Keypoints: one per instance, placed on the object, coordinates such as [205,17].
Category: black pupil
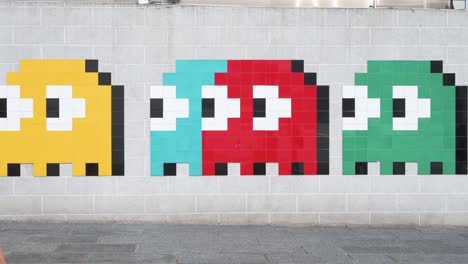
[259,107]
[53,109]
[349,107]
[208,107]
[398,107]
[157,108]
[3,107]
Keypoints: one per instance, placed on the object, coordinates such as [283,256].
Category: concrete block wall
[138,43]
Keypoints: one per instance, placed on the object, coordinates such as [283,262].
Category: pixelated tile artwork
[61,112]
[405,114]
[231,117]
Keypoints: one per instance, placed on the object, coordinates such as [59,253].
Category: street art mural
[231,117]
[61,112]
[402,112]
[211,114]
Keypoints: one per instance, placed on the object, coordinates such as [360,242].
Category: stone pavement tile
[131,258]
[322,233]
[375,246]
[379,249]
[174,246]
[372,232]
[81,257]
[62,239]
[240,246]
[34,248]
[33,226]
[25,258]
[218,258]
[17,234]
[432,233]
[181,235]
[328,252]
[430,258]
[296,258]
[126,239]
[372,259]
[104,229]
[182,230]
[36,258]
[110,248]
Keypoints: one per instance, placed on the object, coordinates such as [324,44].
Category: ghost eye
[357,108]
[268,107]
[217,108]
[62,108]
[166,108]
[408,108]
[13,108]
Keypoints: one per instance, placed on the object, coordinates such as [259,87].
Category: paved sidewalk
[113,243]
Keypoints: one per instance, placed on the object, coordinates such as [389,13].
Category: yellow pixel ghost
[56,112]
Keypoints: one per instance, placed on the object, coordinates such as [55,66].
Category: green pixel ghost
[405,111]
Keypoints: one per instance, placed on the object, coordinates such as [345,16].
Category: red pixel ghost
[284,119]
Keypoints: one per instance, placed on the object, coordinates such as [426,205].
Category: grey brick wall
[137,44]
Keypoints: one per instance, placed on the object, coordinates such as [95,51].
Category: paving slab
[25,243]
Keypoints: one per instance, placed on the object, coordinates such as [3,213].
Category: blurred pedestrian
[2,259]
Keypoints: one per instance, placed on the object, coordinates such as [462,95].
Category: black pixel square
[104,78]
[208,107]
[323,168]
[297,168]
[3,107]
[118,92]
[399,107]
[92,169]
[310,78]
[157,108]
[437,168]
[53,169]
[297,66]
[259,168]
[399,168]
[221,169]
[91,66]
[259,107]
[53,108]
[323,92]
[170,169]
[14,169]
[360,168]
[449,79]
[436,67]
[118,169]
[348,107]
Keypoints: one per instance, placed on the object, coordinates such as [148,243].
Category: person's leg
[2,259]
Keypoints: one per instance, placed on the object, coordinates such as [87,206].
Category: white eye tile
[224,108]
[415,108]
[172,107]
[364,107]
[16,108]
[69,108]
[275,108]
